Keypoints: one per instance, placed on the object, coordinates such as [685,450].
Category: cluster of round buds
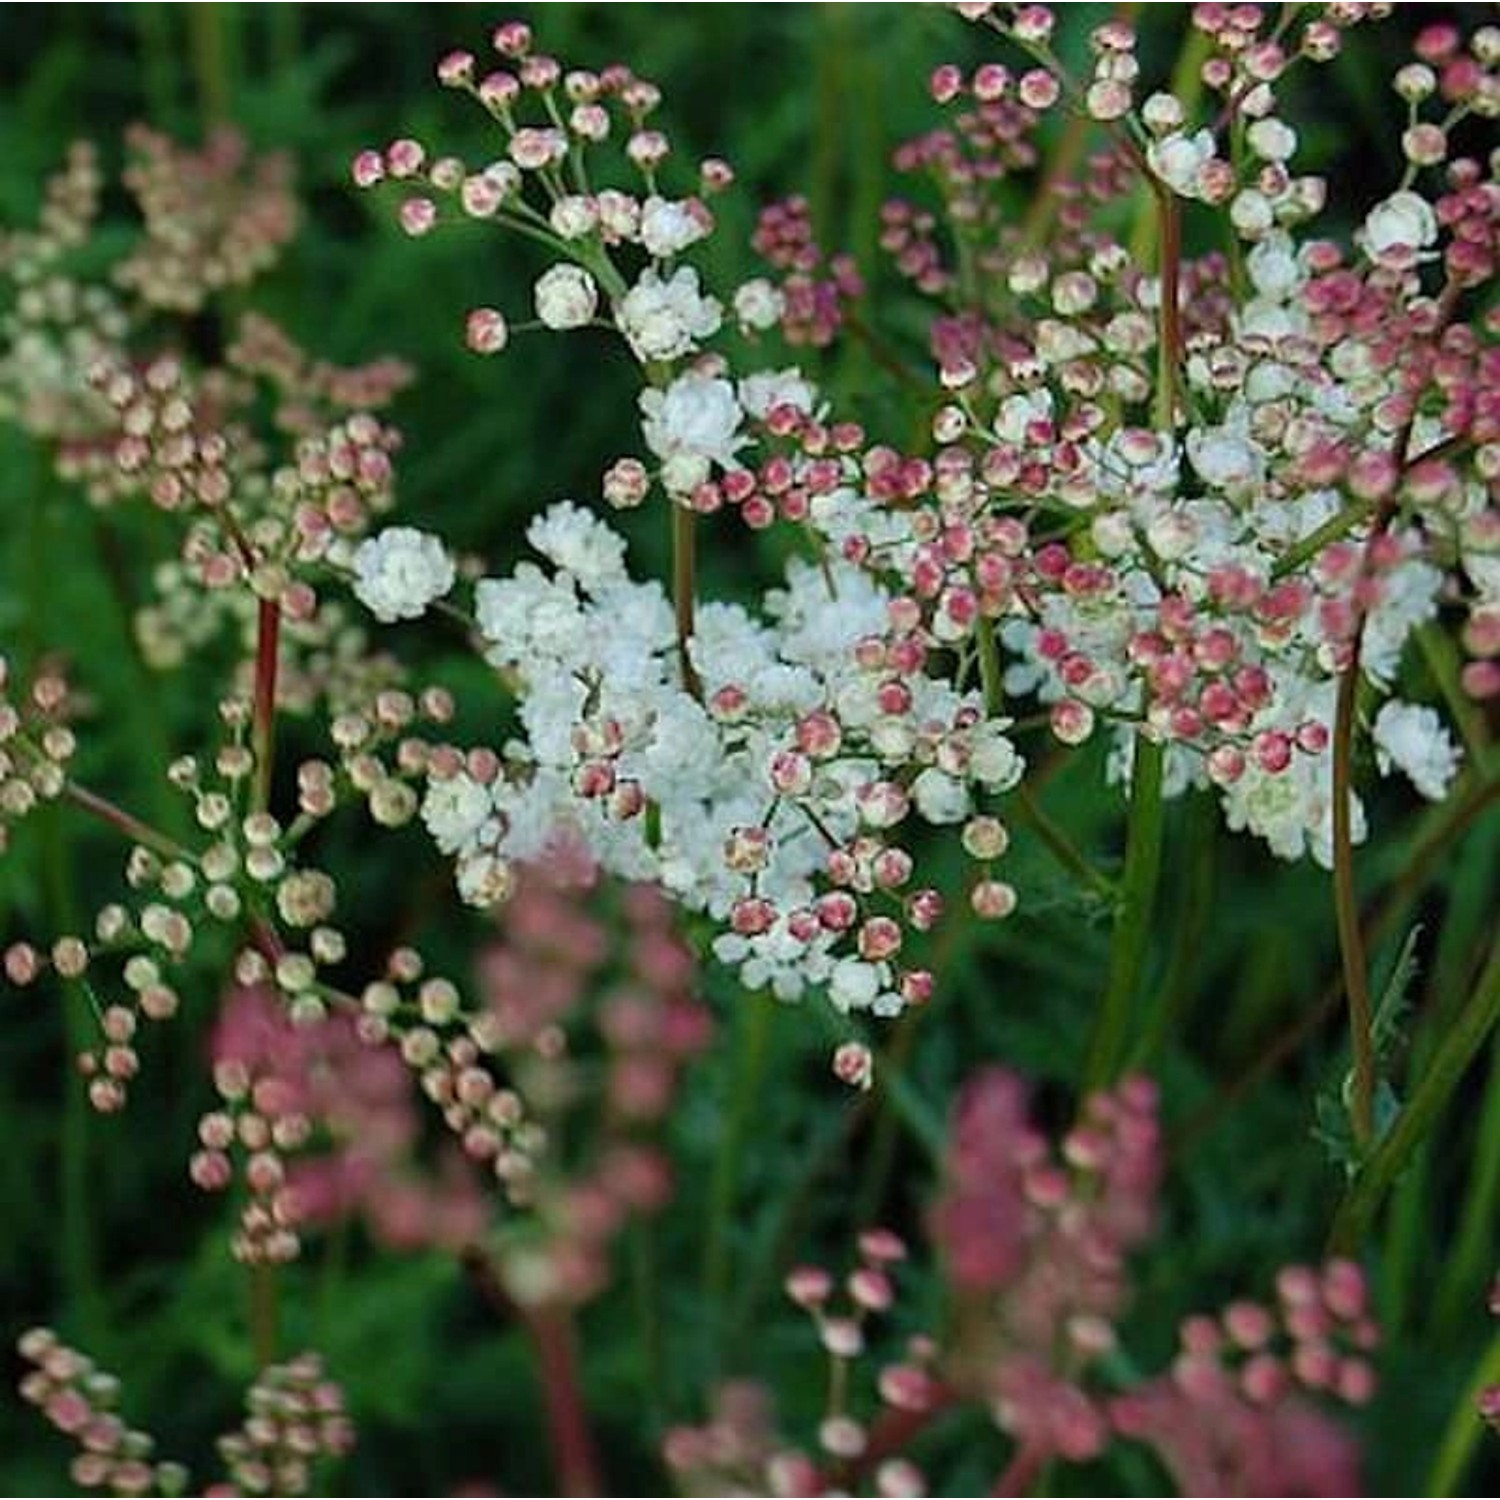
[70,205]
[1250,1377]
[738,1450]
[381,753]
[1318,1337]
[554,118]
[1035,1240]
[614,961]
[308,388]
[815,290]
[294,1418]
[164,443]
[840,1313]
[80,1400]
[260,1075]
[149,939]
[214,217]
[36,744]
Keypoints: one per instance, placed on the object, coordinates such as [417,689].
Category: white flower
[758,305]
[1273,267]
[574,216]
[1251,213]
[1413,739]
[761,393]
[663,320]
[484,880]
[1272,139]
[668,228]
[940,798]
[1177,159]
[1408,597]
[690,426]
[994,761]
[566,297]
[574,539]
[1403,222]
[854,984]
[1225,459]
[455,811]
[400,572]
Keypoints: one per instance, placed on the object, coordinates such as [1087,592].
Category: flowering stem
[1021,1472]
[756,1017]
[1026,804]
[684,570]
[263,1314]
[1059,845]
[553,1337]
[131,826]
[1169,341]
[1464,1427]
[263,720]
[1127,954]
[1418,867]
[1346,906]
[1456,1050]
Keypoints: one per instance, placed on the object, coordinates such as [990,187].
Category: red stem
[263,721]
[128,824]
[1022,1470]
[573,1453]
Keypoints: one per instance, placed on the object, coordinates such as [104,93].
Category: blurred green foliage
[104,1236]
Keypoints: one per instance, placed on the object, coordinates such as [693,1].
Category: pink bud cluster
[36,746]
[739,1449]
[1234,1415]
[294,1417]
[592,1008]
[1034,1242]
[320,1124]
[80,1401]
[817,289]
[307,387]
[214,218]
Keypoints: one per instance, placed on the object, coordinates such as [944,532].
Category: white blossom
[1412,739]
[566,297]
[1404,221]
[667,228]
[664,320]
[401,571]
[758,305]
[690,426]
[1177,159]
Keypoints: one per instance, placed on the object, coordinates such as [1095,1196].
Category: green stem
[1132,933]
[1468,1267]
[207,37]
[264,1314]
[1032,815]
[1028,809]
[1412,1126]
[1346,906]
[1465,1429]
[755,1023]
[644,1280]
[79,1258]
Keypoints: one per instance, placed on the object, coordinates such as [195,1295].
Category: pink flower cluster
[1034,1242]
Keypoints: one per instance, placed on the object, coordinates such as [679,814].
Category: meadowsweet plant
[1180,483]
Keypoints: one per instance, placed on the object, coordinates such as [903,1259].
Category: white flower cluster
[738,803]
[400,572]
